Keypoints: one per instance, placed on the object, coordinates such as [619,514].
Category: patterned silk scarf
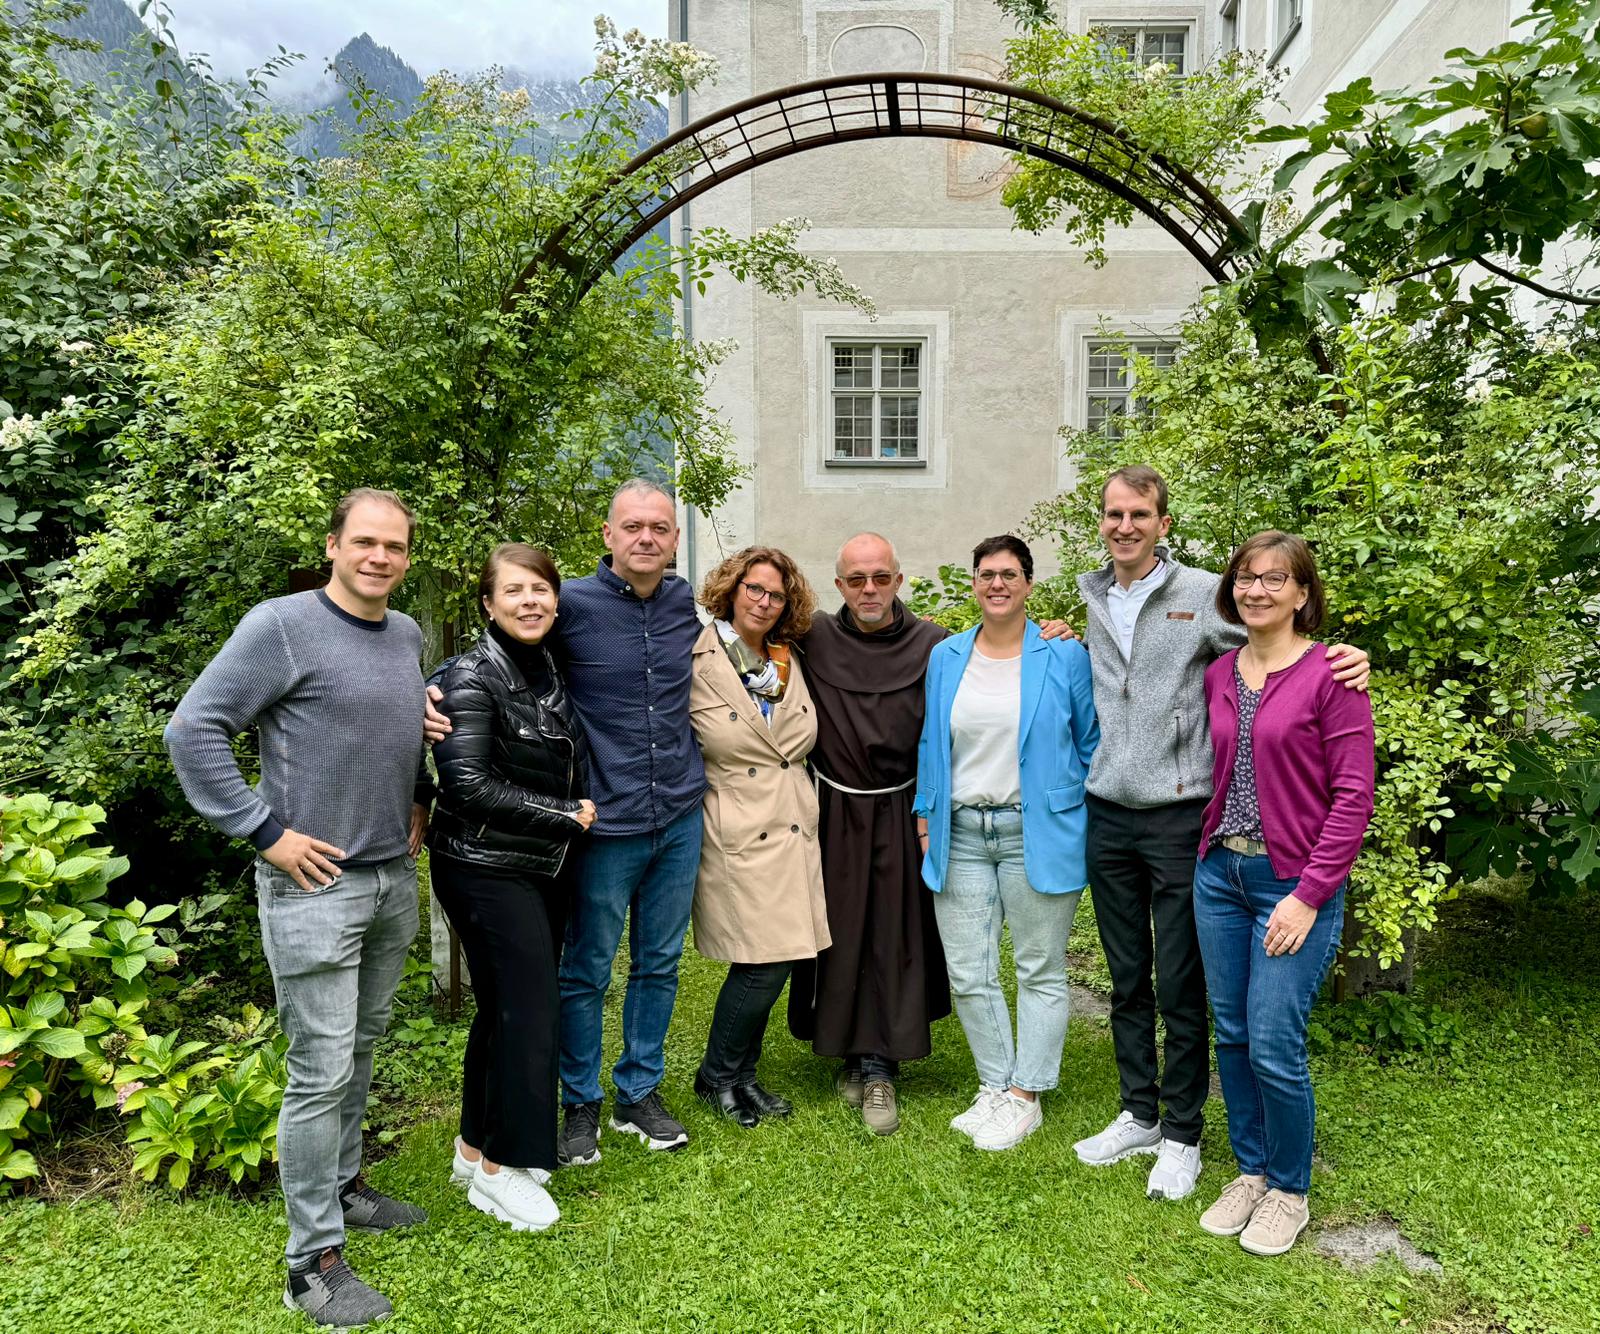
[763,678]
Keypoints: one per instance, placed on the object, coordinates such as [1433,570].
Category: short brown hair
[1302,569]
[800,603]
[350,500]
[1143,479]
[525,557]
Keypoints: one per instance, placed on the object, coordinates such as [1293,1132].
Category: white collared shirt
[1123,604]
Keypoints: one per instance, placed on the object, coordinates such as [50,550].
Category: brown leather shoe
[878,1107]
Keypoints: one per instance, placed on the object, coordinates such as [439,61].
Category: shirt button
[752,773]
[794,829]
[652,745]
[733,716]
[784,764]
[763,833]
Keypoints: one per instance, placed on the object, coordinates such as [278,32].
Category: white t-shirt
[984,720]
[1123,604]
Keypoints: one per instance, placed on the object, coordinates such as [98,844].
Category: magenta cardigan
[1313,747]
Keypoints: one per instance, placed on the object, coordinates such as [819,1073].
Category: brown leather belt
[1245,847]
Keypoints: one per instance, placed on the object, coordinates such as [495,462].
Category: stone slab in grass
[1360,1245]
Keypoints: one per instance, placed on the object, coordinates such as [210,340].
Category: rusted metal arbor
[851,108]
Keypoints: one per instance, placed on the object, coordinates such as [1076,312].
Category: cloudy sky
[543,36]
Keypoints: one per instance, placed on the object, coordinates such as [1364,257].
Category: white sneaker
[462,1168]
[513,1196]
[1123,1138]
[1173,1176]
[982,1106]
[1012,1121]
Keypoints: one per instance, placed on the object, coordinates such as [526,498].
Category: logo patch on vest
[1180,616]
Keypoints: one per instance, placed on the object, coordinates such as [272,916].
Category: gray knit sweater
[1155,737]
[338,703]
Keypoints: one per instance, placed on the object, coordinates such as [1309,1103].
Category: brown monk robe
[882,982]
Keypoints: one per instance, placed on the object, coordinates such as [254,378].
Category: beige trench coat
[759,895]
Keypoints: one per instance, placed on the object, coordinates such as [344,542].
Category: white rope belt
[863,791]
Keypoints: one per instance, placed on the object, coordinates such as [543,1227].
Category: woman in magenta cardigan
[1292,783]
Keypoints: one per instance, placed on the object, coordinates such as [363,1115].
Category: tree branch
[1537,287]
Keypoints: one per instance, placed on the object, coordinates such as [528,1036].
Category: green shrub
[79,977]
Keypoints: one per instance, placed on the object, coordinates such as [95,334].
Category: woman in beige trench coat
[758,901]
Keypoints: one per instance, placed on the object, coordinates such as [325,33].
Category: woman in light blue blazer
[1006,741]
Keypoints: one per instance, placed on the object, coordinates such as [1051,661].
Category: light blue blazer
[1056,738]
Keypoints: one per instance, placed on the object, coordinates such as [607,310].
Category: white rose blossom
[1479,390]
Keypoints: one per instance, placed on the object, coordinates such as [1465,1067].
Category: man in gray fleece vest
[1153,629]
[333,682]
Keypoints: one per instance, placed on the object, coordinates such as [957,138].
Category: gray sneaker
[1123,1138]
[878,1108]
[369,1210]
[850,1085]
[330,1294]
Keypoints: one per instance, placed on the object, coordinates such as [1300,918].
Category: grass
[1485,1159]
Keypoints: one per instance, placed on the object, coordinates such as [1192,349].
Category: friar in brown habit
[871,996]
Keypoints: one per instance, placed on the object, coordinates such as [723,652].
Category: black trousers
[739,1022]
[510,924]
[1141,874]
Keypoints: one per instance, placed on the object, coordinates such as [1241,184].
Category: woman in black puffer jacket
[511,783]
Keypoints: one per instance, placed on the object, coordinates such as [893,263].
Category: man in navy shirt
[624,636]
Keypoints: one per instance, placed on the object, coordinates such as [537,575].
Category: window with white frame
[1229,14]
[876,392]
[1147,44]
[1287,16]
[1111,389]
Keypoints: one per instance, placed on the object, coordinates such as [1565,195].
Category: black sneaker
[651,1122]
[368,1210]
[329,1292]
[578,1144]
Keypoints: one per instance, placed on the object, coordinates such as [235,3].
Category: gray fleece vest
[1155,739]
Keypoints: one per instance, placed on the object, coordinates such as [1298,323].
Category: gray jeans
[337,955]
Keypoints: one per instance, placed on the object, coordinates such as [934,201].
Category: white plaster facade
[1003,321]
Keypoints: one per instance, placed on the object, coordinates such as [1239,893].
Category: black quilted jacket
[511,773]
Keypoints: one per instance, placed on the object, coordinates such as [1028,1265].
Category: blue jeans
[985,886]
[649,879]
[337,954]
[1261,1005]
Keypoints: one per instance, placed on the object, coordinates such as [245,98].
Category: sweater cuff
[267,833]
[1314,896]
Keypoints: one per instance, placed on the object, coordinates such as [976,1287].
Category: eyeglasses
[1138,518]
[987,577]
[1272,580]
[756,593]
[878,579]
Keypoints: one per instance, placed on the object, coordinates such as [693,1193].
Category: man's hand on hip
[435,726]
[305,859]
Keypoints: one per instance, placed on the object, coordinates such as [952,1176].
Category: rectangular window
[1145,45]
[1111,387]
[1286,19]
[876,392]
[1229,14]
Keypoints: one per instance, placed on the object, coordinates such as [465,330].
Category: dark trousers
[874,1067]
[1141,874]
[739,1022]
[510,924]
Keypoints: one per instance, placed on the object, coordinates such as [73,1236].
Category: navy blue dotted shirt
[627,664]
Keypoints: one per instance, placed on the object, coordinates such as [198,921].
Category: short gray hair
[639,486]
[838,560]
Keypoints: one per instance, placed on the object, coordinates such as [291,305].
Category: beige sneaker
[878,1107]
[1277,1223]
[1234,1207]
[850,1086]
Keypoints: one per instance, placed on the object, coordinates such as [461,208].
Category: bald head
[867,575]
[869,547]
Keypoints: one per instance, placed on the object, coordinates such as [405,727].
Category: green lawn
[1487,1161]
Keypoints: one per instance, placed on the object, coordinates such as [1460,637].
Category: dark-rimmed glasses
[756,593]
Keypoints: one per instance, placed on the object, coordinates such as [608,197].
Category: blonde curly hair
[722,585]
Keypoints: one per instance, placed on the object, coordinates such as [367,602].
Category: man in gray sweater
[1153,629]
[333,683]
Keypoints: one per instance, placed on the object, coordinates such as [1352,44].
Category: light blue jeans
[337,954]
[986,887]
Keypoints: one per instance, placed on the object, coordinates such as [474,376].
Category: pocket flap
[1065,798]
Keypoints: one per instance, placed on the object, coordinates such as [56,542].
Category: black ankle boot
[726,1101]
[762,1102]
